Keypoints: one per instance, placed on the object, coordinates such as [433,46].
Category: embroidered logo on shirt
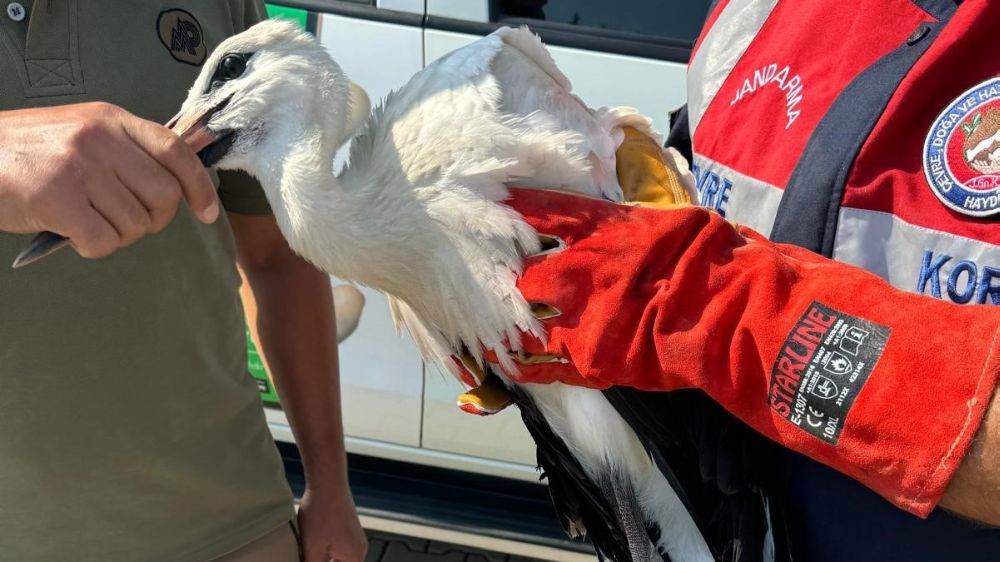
[825,361]
[962,152]
[182,35]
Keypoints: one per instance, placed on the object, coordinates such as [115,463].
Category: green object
[267,392]
[129,427]
[296,14]
[259,373]
[971,127]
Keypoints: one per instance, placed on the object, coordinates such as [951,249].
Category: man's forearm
[290,312]
[974,491]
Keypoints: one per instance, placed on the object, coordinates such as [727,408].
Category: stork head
[266,90]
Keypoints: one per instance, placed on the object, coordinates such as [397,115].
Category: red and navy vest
[868,131]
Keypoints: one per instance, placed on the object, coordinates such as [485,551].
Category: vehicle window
[672,19]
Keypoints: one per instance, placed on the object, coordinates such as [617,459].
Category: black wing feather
[575,496]
[720,468]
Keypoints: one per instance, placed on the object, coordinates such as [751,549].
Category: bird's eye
[232,67]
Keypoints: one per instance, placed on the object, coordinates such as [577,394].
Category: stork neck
[348,225]
[299,160]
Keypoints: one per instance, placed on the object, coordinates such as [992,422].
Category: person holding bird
[132,428]
[865,133]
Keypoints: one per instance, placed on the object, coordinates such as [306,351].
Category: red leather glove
[824,358]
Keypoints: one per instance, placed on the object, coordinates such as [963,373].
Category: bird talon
[542,311]
[474,369]
[536,359]
[489,398]
[550,244]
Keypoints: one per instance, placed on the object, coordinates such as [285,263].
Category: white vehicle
[418,464]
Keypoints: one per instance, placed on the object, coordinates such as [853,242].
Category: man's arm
[974,491]
[290,312]
[821,357]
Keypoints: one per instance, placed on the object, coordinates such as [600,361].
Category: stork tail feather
[626,506]
[719,466]
[579,502]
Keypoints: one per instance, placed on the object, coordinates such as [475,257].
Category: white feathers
[495,113]
[418,211]
[680,537]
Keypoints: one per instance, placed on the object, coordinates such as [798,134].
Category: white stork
[418,213]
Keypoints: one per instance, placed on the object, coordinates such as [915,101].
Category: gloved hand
[824,358]
[650,176]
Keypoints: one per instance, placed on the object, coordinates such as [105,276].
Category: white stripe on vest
[735,196]
[919,259]
[720,50]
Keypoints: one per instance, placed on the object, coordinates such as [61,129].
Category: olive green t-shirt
[130,428]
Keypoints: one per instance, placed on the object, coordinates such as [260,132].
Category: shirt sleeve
[239,192]
[254,13]
[247,13]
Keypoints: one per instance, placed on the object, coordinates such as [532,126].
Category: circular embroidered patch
[182,35]
[962,152]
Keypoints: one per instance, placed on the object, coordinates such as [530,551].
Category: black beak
[42,245]
[193,129]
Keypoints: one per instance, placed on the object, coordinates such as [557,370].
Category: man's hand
[329,526]
[96,174]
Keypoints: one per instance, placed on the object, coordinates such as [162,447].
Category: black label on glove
[820,370]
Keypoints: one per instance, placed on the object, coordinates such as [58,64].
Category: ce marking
[819,417]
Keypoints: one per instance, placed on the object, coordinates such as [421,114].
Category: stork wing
[719,465]
[533,87]
[501,106]
[430,343]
